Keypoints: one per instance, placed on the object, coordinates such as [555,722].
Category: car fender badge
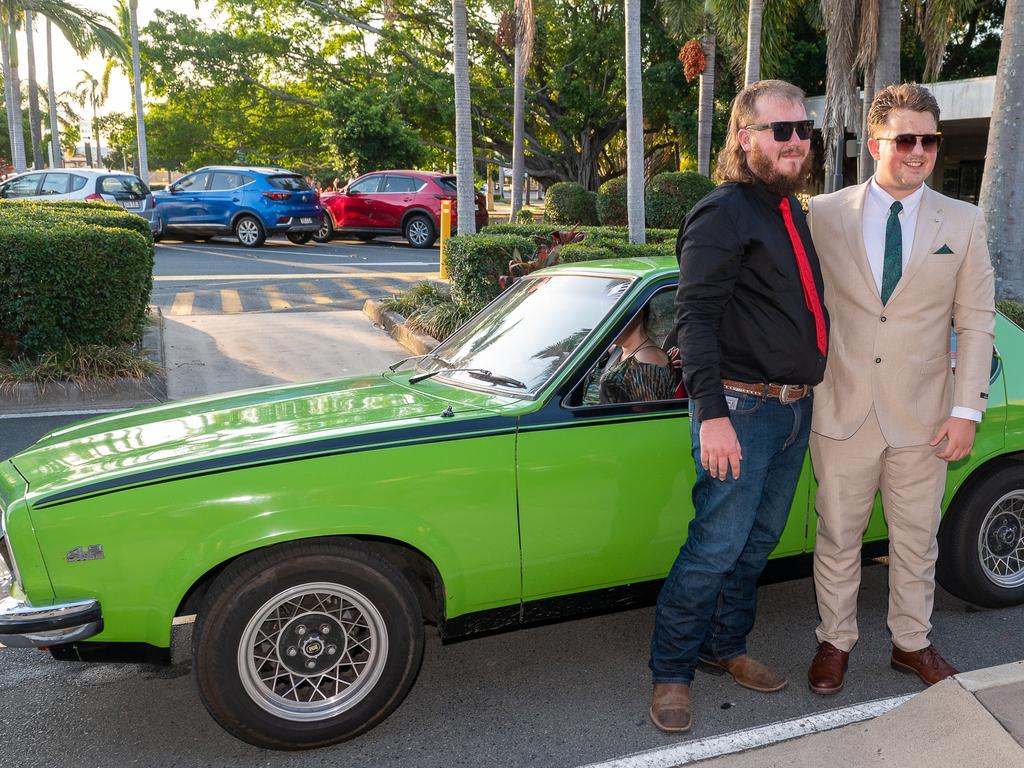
[81,554]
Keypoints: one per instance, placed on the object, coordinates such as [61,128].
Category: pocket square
[944,249]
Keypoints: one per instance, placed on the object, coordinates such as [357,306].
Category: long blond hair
[732,160]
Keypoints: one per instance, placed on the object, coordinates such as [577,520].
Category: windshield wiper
[395,366]
[476,373]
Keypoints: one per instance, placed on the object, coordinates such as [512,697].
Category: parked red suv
[406,203]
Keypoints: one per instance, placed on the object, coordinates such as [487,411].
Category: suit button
[878,359]
[883,318]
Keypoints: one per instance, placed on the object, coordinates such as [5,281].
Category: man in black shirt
[753,337]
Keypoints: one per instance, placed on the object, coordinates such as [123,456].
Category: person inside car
[636,370]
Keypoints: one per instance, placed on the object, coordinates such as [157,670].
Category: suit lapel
[853,229]
[928,222]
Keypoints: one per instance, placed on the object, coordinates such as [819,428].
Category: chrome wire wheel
[248,231]
[312,652]
[418,232]
[1001,541]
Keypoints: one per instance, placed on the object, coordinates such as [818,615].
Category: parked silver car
[96,184]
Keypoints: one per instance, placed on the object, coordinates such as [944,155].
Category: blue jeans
[707,604]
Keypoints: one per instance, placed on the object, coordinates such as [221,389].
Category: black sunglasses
[906,142]
[783,129]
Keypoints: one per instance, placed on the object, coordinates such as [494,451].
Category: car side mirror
[352,192]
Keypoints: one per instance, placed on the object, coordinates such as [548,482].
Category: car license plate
[306,221]
[132,204]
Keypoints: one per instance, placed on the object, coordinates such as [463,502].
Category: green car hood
[240,428]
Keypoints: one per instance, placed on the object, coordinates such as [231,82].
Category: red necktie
[806,278]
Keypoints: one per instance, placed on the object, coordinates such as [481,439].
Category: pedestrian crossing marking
[357,293]
[230,301]
[183,303]
[316,296]
[277,301]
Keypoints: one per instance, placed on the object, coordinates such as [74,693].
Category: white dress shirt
[877,203]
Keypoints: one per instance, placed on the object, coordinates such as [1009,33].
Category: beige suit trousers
[911,480]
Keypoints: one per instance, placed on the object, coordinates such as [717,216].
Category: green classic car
[314,530]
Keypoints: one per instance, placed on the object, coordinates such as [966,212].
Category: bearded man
[753,337]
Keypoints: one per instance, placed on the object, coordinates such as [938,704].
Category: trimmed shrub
[569,203]
[475,262]
[670,196]
[524,216]
[72,275]
[545,229]
[1013,310]
[585,251]
[611,203]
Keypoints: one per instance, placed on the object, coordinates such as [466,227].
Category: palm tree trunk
[463,122]
[58,155]
[634,126]
[5,62]
[518,119]
[866,163]
[140,117]
[35,118]
[887,66]
[96,130]
[754,41]
[706,109]
[1002,187]
[10,54]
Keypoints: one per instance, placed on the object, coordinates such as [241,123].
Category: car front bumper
[23,625]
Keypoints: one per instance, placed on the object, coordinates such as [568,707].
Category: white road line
[753,738]
[83,412]
[426,275]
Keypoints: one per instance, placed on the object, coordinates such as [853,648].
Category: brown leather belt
[786,393]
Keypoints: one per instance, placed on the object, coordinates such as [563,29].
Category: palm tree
[634,126]
[90,90]
[525,29]
[55,150]
[753,68]
[463,122]
[1003,177]
[840,85]
[10,17]
[683,18]
[140,118]
[128,62]
[35,118]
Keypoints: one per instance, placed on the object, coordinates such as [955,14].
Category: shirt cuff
[966,413]
[710,407]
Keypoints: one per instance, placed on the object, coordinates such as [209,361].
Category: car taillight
[152,200]
[277,195]
[453,198]
[95,197]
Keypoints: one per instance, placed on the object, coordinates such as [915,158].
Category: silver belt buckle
[784,396]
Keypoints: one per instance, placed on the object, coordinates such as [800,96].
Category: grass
[428,308]
[85,366]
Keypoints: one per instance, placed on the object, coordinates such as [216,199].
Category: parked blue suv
[249,203]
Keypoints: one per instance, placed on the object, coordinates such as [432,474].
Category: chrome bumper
[25,626]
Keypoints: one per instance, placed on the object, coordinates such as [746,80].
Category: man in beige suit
[902,264]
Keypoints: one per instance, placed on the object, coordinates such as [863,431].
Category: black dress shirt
[740,307]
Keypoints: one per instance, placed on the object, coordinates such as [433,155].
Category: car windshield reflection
[528,333]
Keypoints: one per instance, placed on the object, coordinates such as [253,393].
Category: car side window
[194,183]
[77,182]
[54,184]
[226,180]
[366,186]
[401,184]
[23,186]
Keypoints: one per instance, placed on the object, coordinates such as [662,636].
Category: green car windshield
[526,335]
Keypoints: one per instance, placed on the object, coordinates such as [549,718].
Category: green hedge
[570,203]
[670,196]
[1013,310]
[72,274]
[476,261]
[611,202]
[545,229]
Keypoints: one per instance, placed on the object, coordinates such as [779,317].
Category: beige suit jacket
[896,357]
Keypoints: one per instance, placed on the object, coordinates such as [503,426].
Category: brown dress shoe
[670,707]
[750,673]
[926,664]
[828,669]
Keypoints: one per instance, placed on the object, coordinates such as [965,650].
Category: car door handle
[236,199]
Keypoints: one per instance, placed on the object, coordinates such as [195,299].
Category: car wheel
[299,238]
[981,541]
[307,644]
[419,231]
[326,232]
[250,232]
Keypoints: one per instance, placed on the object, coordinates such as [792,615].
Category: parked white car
[95,184]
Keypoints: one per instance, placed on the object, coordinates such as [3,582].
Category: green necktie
[892,266]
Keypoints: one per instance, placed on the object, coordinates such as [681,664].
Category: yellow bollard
[446,232]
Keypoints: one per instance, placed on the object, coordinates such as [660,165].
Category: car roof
[250,168]
[656,266]
[410,172]
[81,171]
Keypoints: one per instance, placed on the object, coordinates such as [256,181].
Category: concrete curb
[29,400]
[392,322]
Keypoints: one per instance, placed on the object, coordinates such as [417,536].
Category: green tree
[367,132]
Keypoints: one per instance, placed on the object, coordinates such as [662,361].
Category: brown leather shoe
[828,669]
[926,664]
[750,673]
[670,707]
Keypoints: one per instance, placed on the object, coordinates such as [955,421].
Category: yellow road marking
[318,298]
[275,298]
[357,293]
[183,303]
[230,301]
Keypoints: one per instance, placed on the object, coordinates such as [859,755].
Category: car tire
[326,232]
[981,540]
[299,238]
[161,231]
[242,641]
[419,231]
[250,232]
